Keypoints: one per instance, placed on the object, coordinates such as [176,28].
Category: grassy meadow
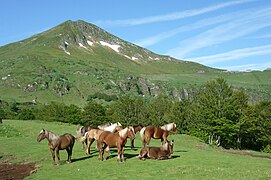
[192,159]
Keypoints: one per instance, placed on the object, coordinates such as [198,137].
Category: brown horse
[56,143]
[162,152]
[90,137]
[136,129]
[154,132]
[83,129]
[117,139]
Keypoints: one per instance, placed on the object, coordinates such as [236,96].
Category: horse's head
[174,127]
[118,128]
[168,146]
[42,135]
[131,132]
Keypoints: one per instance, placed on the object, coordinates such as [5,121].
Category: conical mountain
[76,59]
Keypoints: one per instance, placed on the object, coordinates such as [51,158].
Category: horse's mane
[52,136]
[124,131]
[168,126]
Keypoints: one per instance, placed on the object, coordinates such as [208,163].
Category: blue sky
[233,35]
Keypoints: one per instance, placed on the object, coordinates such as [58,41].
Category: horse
[83,129]
[56,143]
[136,129]
[90,137]
[112,127]
[117,139]
[154,132]
[160,153]
[169,127]
[93,134]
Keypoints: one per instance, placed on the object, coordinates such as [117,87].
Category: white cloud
[233,55]
[243,67]
[171,16]
[199,24]
[231,30]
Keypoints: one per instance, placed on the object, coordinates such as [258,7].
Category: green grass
[192,158]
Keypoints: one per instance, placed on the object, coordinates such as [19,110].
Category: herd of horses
[112,136]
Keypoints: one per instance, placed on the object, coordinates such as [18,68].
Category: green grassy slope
[42,61]
[192,158]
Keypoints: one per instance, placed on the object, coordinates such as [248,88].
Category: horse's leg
[148,139]
[99,146]
[122,153]
[119,154]
[132,143]
[69,152]
[90,141]
[164,138]
[104,152]
[57,155]
[143,153]
[53,155]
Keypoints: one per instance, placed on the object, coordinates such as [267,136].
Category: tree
[180,113]
[94,114]
[219,109]
[128,110]
[256,126]
[158,110]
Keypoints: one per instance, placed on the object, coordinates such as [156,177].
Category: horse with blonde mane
[56,143]
[118,139]
[83,129]
[94,134]
[154,132]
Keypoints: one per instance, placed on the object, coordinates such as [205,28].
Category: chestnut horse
[117,139]
[56,143]
[83,129]
[136,129]
[162,152]
[154,132]
[90,137]
[93,134]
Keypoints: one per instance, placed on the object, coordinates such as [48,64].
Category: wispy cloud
[231,30]
[149,41]
[171,16]
[233,55]
[259,66]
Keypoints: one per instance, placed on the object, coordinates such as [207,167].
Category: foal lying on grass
[160,153]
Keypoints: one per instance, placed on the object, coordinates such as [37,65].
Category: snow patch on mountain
[112,46]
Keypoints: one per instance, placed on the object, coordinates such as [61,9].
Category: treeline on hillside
[218,114]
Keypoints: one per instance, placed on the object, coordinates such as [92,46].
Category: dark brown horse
[162,152]
[136,129]
[154,132]
[118,139]
[56,143]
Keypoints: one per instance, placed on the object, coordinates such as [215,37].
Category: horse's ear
[42,130]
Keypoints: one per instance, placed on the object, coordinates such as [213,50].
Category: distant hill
[75,60]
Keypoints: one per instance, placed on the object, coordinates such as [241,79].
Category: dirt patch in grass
[246,153]
[16,171]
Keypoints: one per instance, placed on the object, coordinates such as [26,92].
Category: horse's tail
[142,134]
